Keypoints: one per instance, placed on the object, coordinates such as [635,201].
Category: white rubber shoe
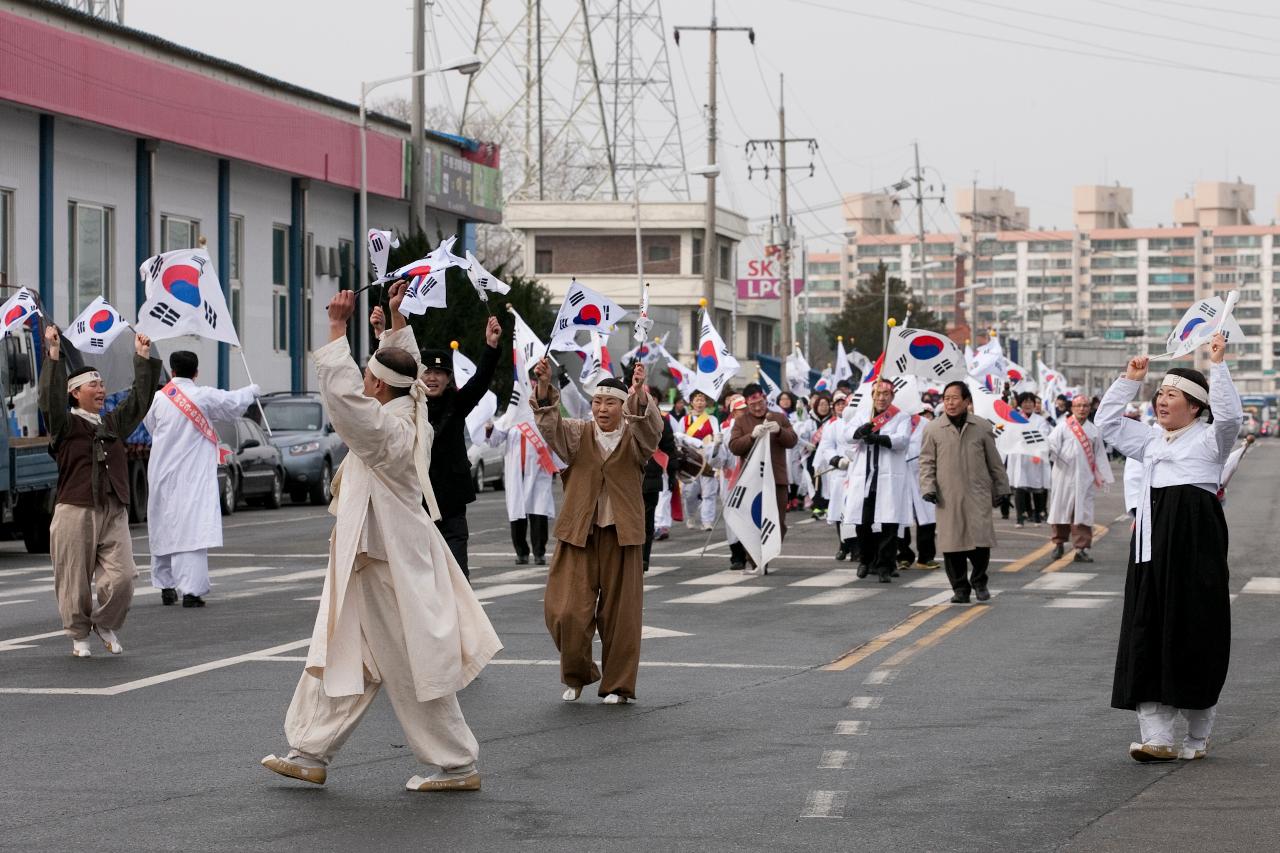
[571,694]
[615,699]
[110,640]
[80,648]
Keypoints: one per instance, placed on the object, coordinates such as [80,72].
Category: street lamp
[466,65]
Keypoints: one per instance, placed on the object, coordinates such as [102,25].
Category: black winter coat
[450,467]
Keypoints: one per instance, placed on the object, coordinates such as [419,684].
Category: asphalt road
[805,710]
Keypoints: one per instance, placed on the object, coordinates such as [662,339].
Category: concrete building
[1099,282]
[116,145]
[595,243]
[824,290]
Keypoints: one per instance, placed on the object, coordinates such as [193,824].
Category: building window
[177,232]
[6,237]
[280,287]
[759,338]
[90,240]
[726,261]
[235,264]
[658,252]
[542,264]
[696,256]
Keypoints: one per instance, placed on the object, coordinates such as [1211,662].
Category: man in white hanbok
[1080,468]
[184,516]
[876,499]
[830,465]
[1028,473]
[396,610]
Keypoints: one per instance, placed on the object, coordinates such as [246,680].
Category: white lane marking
[719,595]
[825,804]
[551,662]
[20,642]
[719,578]
[1263,586]
[513,575]
[1078,603]
[309,598]
[933,580]
[252,593]
[254,556]
[943,598]
[880,676]
[654,571]
[26,590]
[305,575]
[833,578]
[805,521]
[17,601]
[865,703]
[851,727]
[239,570]
[839,596]
[499,590]
[648,632]
[1095,593]
[8,573]
[837,759]
[1060,581]
[650,587]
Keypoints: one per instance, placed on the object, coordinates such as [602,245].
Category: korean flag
[96,327]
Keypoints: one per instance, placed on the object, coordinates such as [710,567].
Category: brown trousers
[1080,535]
[88,545]
[599,586]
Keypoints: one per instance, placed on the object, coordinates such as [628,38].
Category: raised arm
[219,405]
[53,398]
[469,395]
[561,433]
[1224,402]
[1124,434]
[641,415]
[146,376]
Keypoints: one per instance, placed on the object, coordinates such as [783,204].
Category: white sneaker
[110,640]
[460,779]
[80,648]
[571,694]
[708,526]
[615,699]
[691,524]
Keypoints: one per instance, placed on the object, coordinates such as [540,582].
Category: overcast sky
[1032,95]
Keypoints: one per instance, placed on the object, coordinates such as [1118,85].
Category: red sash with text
[531,435]
[174,395]
[884,417]
[1087,445]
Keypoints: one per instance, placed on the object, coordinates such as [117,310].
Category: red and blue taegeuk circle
[182,282]
[708,358]
[1010,414]
[102,321]
[1191,327]
[588,315]
[757,510]
[15,314]
[1015,376]
[925,347]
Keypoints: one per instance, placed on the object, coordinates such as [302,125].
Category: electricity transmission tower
[108,10]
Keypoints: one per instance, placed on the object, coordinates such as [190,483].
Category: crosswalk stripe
[1078,603]
[503,589]
[1263,586]
[825,804]
[835,577]
[308,574]
[943,597]
[719,595]
[719,578]
[836,759]
[1060,581]
[933,580]
[513,575]
[838,596]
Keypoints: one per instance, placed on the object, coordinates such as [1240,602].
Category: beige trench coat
[962,467]
[448,635]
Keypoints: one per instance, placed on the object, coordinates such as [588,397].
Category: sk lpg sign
[762,280]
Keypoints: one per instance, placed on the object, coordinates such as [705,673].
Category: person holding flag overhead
[184,518]
[758,421]
[1080,468]
[596,580]
[89,540]
[1175,631]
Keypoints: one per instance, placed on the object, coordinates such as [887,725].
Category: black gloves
[996,500]
[862,432]
[835,461]
[931,498]
[875,438]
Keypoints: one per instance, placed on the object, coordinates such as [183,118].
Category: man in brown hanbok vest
[596,576]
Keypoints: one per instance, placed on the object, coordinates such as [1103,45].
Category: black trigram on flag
[1207,309]
[901,363]
[154,270]
[576,298]
[81,327]
[483,281]
[767,528]
[1032,436]
[941,367]
[97,343]
[162,312]
[735,499]
[718,381]
[376,242]
[904,332]
[210,316]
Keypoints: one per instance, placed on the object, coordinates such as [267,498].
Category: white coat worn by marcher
[184,516]
[1074,484]
[396,609]
[528,486]
[925,512]
[1025,470]
[893,500]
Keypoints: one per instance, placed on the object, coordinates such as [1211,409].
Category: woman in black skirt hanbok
[1175,637]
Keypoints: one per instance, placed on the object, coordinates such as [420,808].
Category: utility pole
[417,109]
[710,248]
[784,223]
[920,199]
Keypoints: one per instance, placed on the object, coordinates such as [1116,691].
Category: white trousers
[701,492]
[317,725]
[662,512]
[185,571]
[1156,723]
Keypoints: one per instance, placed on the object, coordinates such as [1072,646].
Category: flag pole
[249,376]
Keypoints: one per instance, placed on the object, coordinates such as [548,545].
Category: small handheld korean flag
[772,391]
[526,349]
[798,373]
[681,376]
[583,308]
[482,280]
[184,297]
[1200,323]
[645,323]
[922,353]
[96,327]
[426,286]
[380,245]
[751,510]
[17,309]
[463,367]
[859,361]
[716,365]
[843,370]
[1014,432]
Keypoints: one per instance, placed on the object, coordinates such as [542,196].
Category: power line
[1190,21]
[1223,11]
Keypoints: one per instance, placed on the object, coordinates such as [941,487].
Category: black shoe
[842,553]
[960,598]
[189,600]
[737,567]
[541,560]
[522,559]
[982,594]
[1058,550]
[646,567]
[168,596]
[895,573]
[863,570]
[886,578]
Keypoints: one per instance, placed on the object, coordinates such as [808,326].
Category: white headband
[1186,386]
[389,376]
[609,391]
[83,379]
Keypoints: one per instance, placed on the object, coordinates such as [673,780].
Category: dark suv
[312,451]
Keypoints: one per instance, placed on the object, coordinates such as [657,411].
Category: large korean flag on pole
[715,364]
[184,297]
[1200,323]
[1014,432]
[751,511]
[583,308]
[926,354]
[96,327]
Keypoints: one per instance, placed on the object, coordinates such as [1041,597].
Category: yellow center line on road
[1099,530]
[1022,562]
[878,642]
[932,638]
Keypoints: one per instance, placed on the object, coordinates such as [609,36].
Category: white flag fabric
[583,308]
[595,362]
[526,349]
[1050,381]
[18,308]
[992,346]
[380,245]
[646,353]
[798,373]
[682,377]
[463,367]
[96,327]
[641,332]
[1014,433]
[426,288]
[715,364]
[771,389]
[843,370]
[1200,322]
[751,510]
[1018,376]
[184,297]
[484,281]
[859,361]
[907,396]
[481,415]
[927,354]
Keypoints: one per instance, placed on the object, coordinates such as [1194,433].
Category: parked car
[298,424]
[486,464]
[253,469]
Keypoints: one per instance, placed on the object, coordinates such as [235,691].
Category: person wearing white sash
[395,611]
[1080,468]
[1028,473]
[1175,633]
[184,517]
[528,478]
